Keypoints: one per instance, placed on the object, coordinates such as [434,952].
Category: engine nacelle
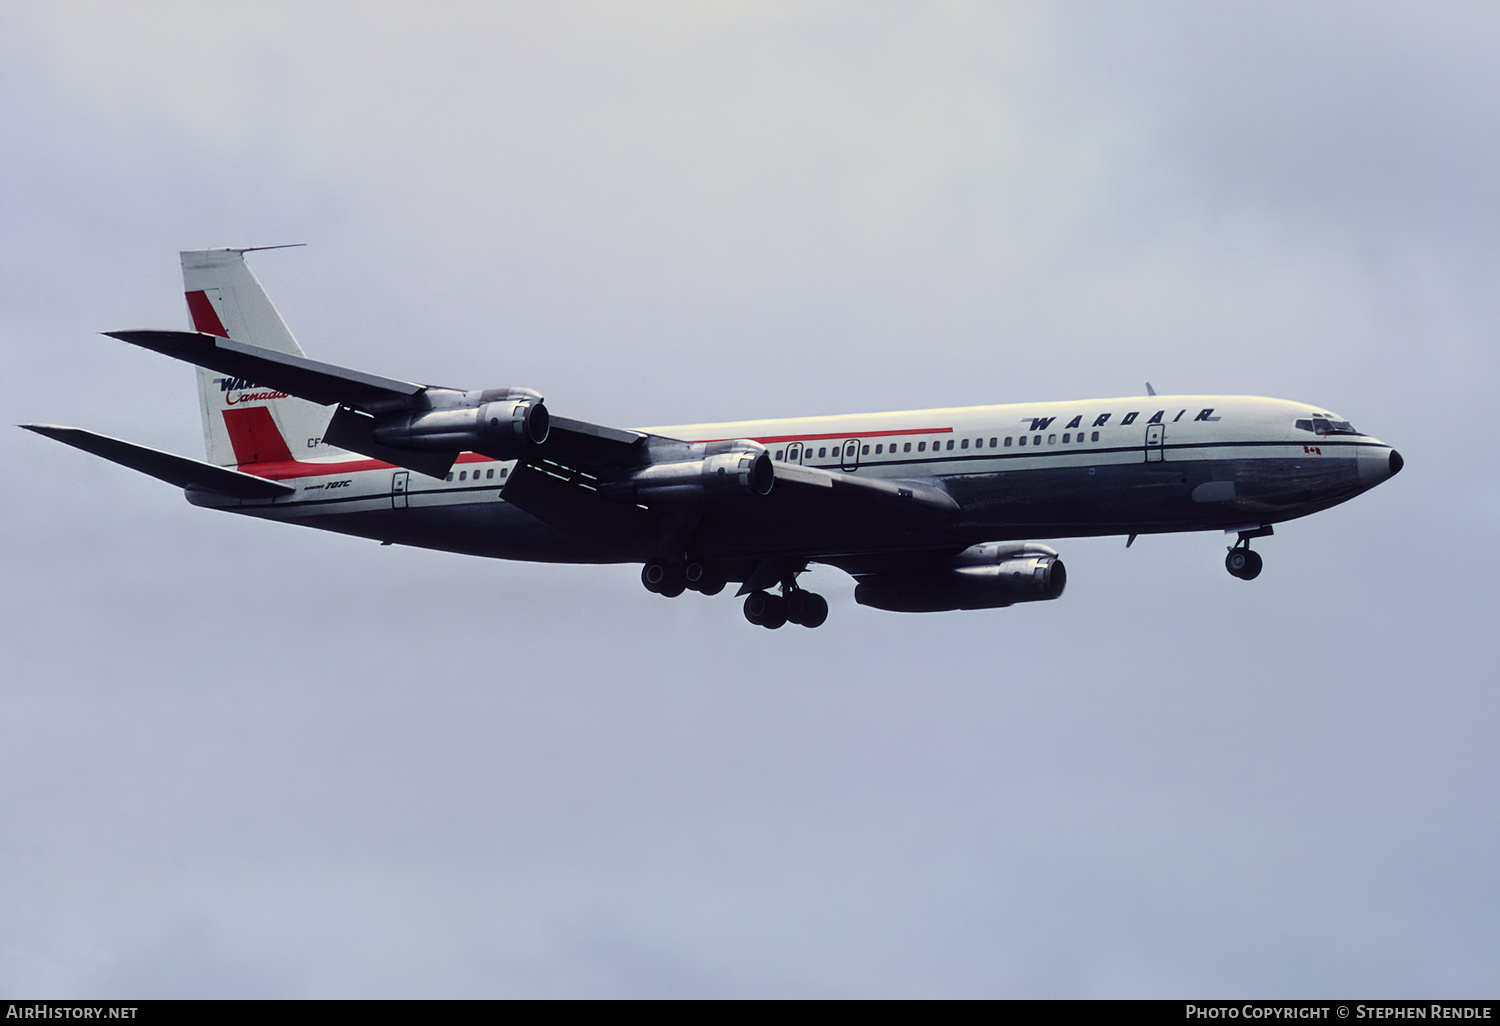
[983,577]
[734,472]
[500,427]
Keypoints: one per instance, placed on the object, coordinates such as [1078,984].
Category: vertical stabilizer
[243,422]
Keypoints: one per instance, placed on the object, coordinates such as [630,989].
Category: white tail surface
[244,423]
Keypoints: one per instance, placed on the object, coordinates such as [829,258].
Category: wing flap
[355,431]
[165,466]
[598,448]
[565,499]
[911,499]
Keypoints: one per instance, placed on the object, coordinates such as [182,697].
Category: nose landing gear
[1241,561]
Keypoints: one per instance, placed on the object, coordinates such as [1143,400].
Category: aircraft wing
[907,499]
[321,383]
[361,395]
[165,466]
[577,442]
[806,506]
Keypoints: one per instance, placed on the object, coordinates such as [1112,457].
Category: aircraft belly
[1148,497]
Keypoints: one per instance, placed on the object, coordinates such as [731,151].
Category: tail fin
[243,422]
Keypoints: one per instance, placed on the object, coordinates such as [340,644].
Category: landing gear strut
[1242,562]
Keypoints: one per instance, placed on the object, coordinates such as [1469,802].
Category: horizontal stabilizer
[321,383]
[165,466]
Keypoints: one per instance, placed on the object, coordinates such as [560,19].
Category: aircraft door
[851,454]
[794,452]
[1155,451]
[399,481]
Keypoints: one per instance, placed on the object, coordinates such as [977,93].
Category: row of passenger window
[463,475]
[794,452]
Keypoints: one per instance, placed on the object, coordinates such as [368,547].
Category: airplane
[929,510]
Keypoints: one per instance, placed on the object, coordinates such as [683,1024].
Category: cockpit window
[1326,426]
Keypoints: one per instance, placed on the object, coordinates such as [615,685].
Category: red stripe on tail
[254,436]
[205,317]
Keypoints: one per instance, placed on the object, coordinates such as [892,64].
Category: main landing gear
[762,608]
[664,577]
[1241,561]
[796,606]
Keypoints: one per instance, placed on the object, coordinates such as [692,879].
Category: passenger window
[1051,439]
[864,451]
[822,451]
[503,472]
[1067,438]
[994,442]
[950,445]
[1023,440]
[906,447]
[879,449]
[780,453]
[1007,441]
[1095,437]
[463,475]
[490,473]
[964,446]
[1037,440]
[921,447]
[448,478]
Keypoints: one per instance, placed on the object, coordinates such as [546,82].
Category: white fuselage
[1137,464]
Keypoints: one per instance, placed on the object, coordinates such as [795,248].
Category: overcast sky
[246,759]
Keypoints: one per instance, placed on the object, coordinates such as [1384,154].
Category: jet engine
[503,424]
[981,577]
[739,471]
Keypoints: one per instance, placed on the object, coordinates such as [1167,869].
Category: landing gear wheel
[1253,567]
[765,610]
[813,609]
[663,578]
[1243,563]
[652,574]
[703,578]
[806,608]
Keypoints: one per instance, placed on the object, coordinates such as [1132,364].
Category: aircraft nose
[1377,465]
